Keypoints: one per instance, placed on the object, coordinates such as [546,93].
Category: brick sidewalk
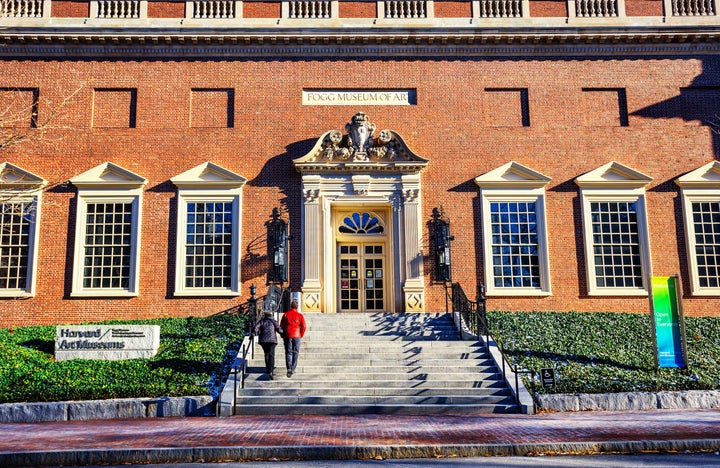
[263,437]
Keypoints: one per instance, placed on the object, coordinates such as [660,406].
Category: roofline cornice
[327,42]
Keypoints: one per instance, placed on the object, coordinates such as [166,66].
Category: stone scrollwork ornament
[359,145]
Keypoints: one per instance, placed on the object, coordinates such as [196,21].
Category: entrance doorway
[361,277]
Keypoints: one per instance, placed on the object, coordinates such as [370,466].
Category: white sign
[106,342]
[355,97]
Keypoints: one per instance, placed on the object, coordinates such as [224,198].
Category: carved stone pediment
[360,149]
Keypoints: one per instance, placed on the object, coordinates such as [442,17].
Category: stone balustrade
[309,9]
[118,9]
[596,8]
[500,9]
[208,9]
[21,8]
[405,9]
[693,8]
[612,11]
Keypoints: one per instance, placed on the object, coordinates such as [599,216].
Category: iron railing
[253,309]
[473,317]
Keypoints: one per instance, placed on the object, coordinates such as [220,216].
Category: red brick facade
[556,115]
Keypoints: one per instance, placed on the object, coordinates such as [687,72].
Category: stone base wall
[107,409]
[629,401]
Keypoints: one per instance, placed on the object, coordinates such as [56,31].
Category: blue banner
[667,318]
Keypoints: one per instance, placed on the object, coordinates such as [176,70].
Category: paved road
[653,460]
[248,438]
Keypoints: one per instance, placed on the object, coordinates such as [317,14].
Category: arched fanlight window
[361,223]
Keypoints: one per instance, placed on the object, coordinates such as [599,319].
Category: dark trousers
[269,350]
[292,351]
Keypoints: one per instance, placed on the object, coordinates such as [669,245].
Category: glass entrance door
[361,277]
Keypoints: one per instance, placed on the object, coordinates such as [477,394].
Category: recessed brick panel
[700,106]
[548,8]
[114,108]
[604,107]
[644,8]
[357,9]
[261,9]
[18,108]
[212,108]
[70,9]
[166,9]
[506,107]
[453,9]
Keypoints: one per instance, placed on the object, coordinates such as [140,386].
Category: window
[615,230]
[107,232]
[208,232]
[19,216]
[701,213]
[514,232]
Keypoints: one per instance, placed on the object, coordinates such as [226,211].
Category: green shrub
[605,352]
[194,356]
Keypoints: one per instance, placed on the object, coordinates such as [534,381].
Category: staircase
[379,364]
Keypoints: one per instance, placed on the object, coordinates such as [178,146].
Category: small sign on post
[548,377]
[106,342]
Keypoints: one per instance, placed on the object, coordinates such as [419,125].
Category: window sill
[207,293]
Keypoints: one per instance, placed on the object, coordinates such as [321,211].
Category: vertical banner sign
[668,322]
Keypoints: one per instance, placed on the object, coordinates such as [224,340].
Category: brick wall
[452,125]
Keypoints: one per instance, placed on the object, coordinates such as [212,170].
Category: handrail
[473,315]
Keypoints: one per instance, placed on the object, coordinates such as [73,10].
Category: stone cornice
[368,42]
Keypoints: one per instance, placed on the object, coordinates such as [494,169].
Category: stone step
[369,346]
[412,377]
[377,391]
[332,371]
[379,364]
[370,360]
[282,382]
[374,400]
[313,409]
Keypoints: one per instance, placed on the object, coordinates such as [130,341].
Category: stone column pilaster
[312,254]
[414,287]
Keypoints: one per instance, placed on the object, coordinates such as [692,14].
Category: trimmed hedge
[605,352]
[193,359]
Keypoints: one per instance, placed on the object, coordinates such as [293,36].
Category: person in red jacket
[293,326]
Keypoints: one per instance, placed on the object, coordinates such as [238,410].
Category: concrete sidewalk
[175,440]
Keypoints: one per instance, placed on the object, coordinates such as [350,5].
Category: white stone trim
[19,185]
[323,196]
[102,184]
[86,196]
[614,182]
[513,182]
[630,195]
[208,182]
[534,195]
[700,185]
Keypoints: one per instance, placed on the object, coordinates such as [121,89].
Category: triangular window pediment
[12,176]
[613,175]
[360,149]
[208,175]
[707,176]
[511,175]
[108,175]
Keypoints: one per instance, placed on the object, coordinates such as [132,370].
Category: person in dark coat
[265,331]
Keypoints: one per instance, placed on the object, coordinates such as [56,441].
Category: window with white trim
[514,231]
[107,232]
[700,193]
[615,230]
[208,232]
[19,217]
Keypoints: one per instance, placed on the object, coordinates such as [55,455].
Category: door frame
[389,254]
